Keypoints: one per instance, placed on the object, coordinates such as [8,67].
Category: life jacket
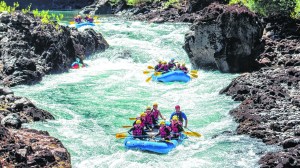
[155,114]
[137,130]
[171,65]
[149,119]
[184,69]
[157,67]
[175,127]
[164,131]
[166,68]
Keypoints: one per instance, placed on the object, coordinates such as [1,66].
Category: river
[92,104]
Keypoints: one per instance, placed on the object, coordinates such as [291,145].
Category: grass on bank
[272,7]
[45,17]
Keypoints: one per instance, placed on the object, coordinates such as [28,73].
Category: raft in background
[157,147]
[78,25]
[173,76]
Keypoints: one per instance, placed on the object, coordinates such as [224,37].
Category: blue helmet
[173,59]
[77,60]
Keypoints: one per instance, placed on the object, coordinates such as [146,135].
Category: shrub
[268,7]
[9,9]
[171,2]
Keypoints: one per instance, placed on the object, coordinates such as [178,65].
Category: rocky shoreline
[29,51]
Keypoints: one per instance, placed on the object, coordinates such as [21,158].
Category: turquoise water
[92,104]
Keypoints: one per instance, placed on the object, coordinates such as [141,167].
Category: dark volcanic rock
[225,37]
[270,108]
[31,148]
[98,7]
[30,49]
[196,5]
[52,4]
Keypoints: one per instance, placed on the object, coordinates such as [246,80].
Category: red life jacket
[164,131]
[137,130]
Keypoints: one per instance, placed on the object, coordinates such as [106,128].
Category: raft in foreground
[84,24]
[152,146]
[173,76]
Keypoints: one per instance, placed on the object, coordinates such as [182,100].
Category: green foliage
[46,17]
[26,10]
[171,2]
[114,1]
[270,7]
[296,13]
[9,9]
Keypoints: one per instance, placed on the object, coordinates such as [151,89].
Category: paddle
[150,67]
[124,135]
[157,73]
[148,79]
[146,72]
[192,133]
[72,22]
[194,71]
[194,75]
[127,126]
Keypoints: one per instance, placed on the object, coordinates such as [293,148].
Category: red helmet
[177,107]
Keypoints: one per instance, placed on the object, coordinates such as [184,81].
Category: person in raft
[156,113]
[164,131]
[164,68]
[88,18]
[171,64]
[180,115]
[158,66]
[176,127]
[149,118]
[141,117]
[78,19]
[138,130]
[177,68]
[184,68]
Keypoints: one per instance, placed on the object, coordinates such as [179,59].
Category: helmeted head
[178,64]
[177,108]
[143,114]
[173,59]
[155,105]
[148,108]
[183,64]
[79,16]
[162,123]
[174,118]
[77,60]
[138,122]
[164,62]
[160,61]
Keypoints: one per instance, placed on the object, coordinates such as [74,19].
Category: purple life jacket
[175,126]
[138,130]
[164,131]
[155,114]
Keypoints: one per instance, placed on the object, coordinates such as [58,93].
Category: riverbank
[30,50]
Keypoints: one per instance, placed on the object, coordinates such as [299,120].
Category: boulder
[227,38]
[99,7]
[12,120]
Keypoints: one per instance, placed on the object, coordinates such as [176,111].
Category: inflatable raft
[84,24]
[160,147]
[173,76]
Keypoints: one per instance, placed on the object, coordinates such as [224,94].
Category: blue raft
[84,24]
[173,76]
[160,147]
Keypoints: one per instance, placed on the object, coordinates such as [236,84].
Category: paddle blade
[97,22]
[72,22]
[157,73]
[146,72]
[132,118]
[194,71]
[195,134]
[148,79]
[150,67]
[194,75]
[121,135]
[126,126]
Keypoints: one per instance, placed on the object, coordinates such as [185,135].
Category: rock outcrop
[270,97]
[30,49]
[52,4]
[225,38]
[97,8]
[31,148]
